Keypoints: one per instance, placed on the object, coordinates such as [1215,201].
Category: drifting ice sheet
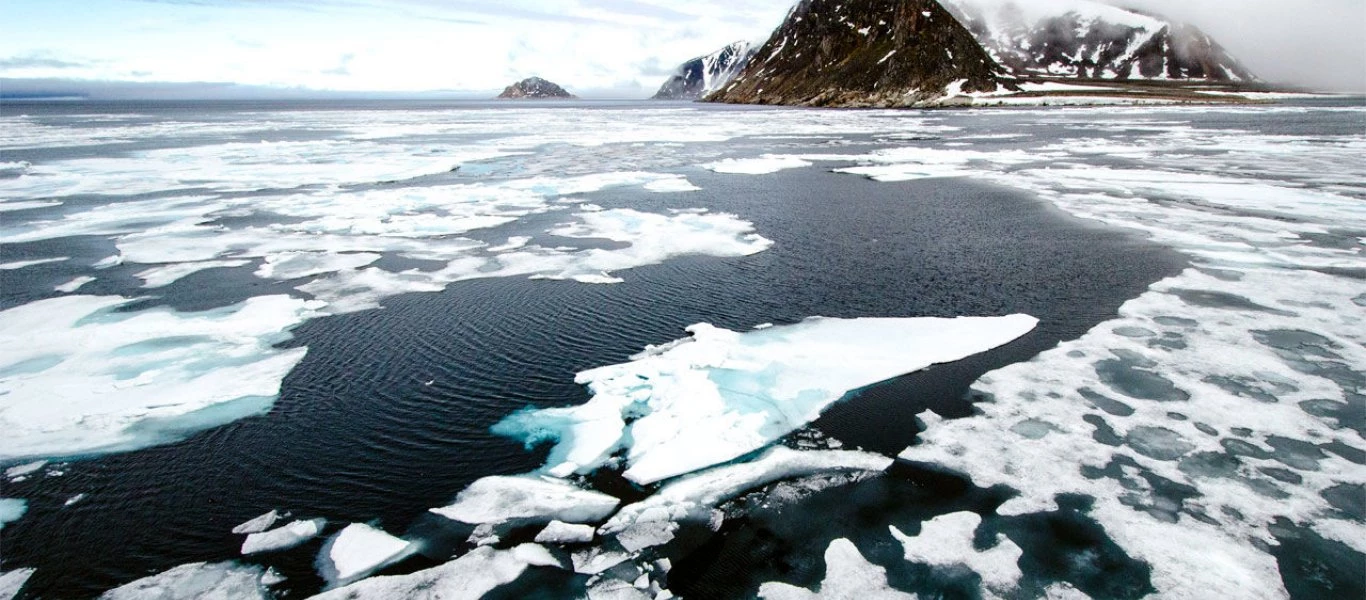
[11,510]
[198,581]
[79,377]
[500,499]
[284,538]
[258,524]
[358,551]
[13,581]
[848,576]
[470,576]
[720,394]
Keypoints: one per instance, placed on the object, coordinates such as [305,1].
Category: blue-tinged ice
[719,395]
[79,377]
[11,510]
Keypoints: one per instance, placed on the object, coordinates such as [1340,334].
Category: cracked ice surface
[718,395]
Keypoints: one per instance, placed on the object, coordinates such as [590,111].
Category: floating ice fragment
[848,576]
[358,551]
[11,266]
[197,581]
[720,394]
[283,538]
[947,540]
[258,524]
[164,275]
[73,285]
[672,185]
[757,166]
[498,499]
[24,470]
[80,377]
[12,583]
[693,496]
[559,532]
[470,576]
[11,510]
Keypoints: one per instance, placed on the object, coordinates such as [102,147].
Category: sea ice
[470,576]
[559,532]
[757,166]
[11,510]
[164,275]
[848,576]
[720,394]
[198,581]
[499,499]
[73,285]
[358,551]
[283,538]
[13,266]
[12,583]
[80,377]
[948,540]
[24,470]
[258,524]
[652,520]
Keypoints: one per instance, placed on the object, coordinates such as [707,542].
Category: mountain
[706,74]
[1086,39]
[534,88]
[864,53]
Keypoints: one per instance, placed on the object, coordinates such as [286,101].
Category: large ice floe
[721,394]
[218,581]
[79,376]
[358,551]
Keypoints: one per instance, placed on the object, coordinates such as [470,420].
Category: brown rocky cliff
[863,53]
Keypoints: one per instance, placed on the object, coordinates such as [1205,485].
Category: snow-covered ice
[719,395]
[258,524]
[559,532]
[470,576]
[80,377]
[20,471]
[498,499]
[757,166]
[358,551]
[283,538]
[199,581]
[848,576]
[12,582]
[948,540]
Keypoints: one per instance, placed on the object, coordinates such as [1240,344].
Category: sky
[596,48]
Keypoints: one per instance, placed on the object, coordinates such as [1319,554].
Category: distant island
[534,88]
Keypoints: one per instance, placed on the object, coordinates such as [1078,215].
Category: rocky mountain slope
[706,74]
[864,53]
[534,88]
[1086,39]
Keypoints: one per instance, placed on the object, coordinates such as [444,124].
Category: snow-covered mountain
[884,53]
[706,74]
[1087,39]
[534,88]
